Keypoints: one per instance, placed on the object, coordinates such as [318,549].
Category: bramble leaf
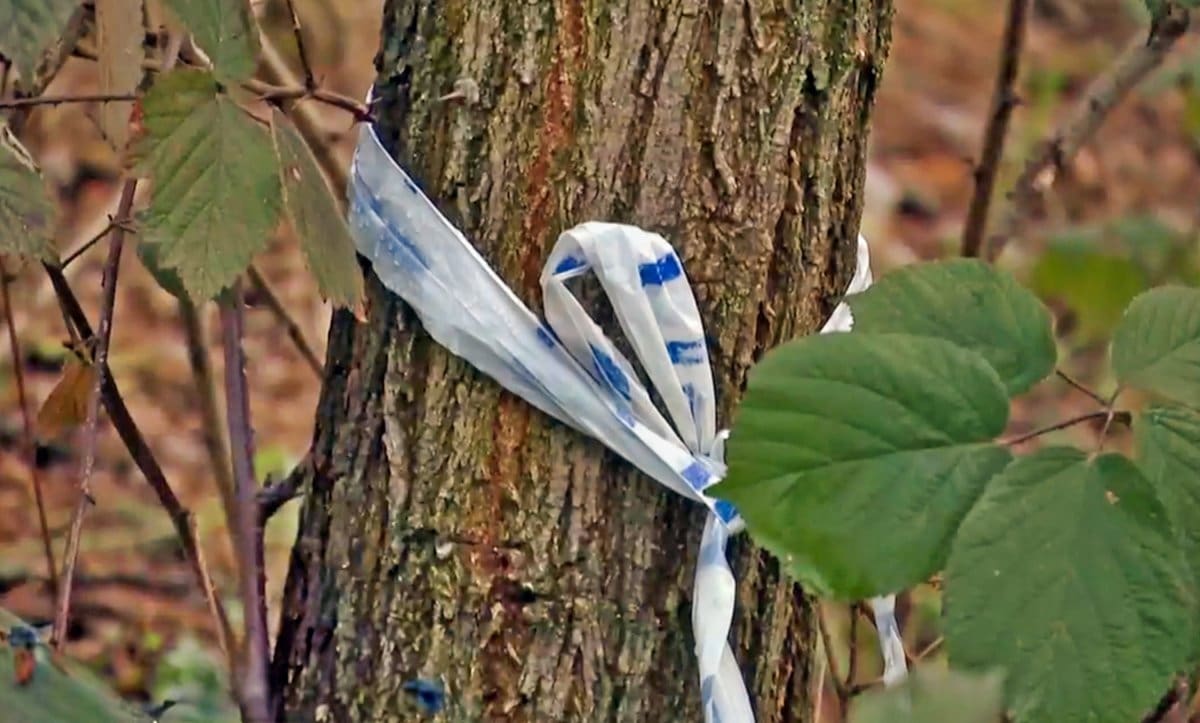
[26,211]
[1066,575]
[931,695]
[1156,347]
[969,303]
[216,190]
[30,27]
[854,457]
[1168,451]
[225,31]
[315,217]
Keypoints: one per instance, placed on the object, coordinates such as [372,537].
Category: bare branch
[281,93]
[253,693]
[843,693]
[83,248]
[61,99]
[281,313]
[210,411]
[1003,101]
[1079,387]
[142,456]
[276,71]
[310,82]
[1053,155]
[27,435]
[1108,415]
[109,285]
[210,593]
[278,494]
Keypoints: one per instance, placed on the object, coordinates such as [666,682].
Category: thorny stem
[61,99]
[109,286]
[265,91]
[276,71]
[281,313]
[1003,101]
[1071,381]
[27,434]
[112,223]
[142,456]
[1107,414]
[310,82]
[1140,57]
[253,695]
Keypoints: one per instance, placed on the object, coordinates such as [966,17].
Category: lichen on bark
[449,531]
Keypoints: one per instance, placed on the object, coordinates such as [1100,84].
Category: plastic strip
[569,369]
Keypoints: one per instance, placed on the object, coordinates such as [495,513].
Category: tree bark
[452,532]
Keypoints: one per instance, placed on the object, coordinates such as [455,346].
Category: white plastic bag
[570,370]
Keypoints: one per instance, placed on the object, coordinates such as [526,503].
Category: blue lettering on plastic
[659,272]
[686,353]
[696,475]
[725,511]
[607,369]
[547,336]
[569,263]
[401,248]
[689,390]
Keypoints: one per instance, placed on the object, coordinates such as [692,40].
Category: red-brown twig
[281,313]
[27,435]
[1108,415]
[1003,102]
[265,91]
[1084,118]
[112,223]
[281,93]
[1079,387]
[253,693]
[61,99]
[109,285]
[142,456]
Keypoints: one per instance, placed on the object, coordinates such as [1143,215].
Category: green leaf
[216,187]
[1067,576]
[315,217]
[30,27]
[932,695]
[969,303]
[167,279]
[1168,444]
[225,31]
[53,695]
[26,211]
[855,456]
[1156,347]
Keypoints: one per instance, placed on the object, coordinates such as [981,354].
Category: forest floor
[1124,216]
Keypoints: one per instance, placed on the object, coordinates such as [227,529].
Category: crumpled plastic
[568,368]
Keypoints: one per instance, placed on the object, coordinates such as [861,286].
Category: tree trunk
[452,532]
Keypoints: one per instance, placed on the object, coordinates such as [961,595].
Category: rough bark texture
[450,531]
